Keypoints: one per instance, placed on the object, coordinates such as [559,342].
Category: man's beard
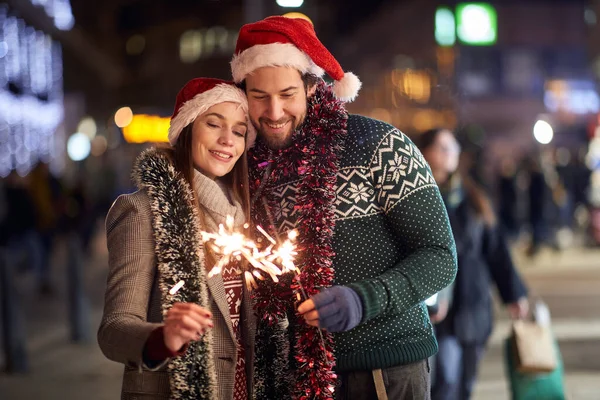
[279,142]
[276,142]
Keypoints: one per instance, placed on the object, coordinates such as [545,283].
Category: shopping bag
[534,386]
[530,350]
[533,347]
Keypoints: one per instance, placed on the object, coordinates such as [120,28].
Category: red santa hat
[200,94]
[289,42]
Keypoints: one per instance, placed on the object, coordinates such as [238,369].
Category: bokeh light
[290,3]
[123,117]
[78,146]
[99,146]
[543,132]
[135,45]
[88,126]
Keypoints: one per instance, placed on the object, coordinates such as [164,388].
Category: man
[373,235]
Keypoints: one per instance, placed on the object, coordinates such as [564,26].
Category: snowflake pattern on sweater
[396,169]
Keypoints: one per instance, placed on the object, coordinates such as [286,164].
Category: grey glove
[340,308]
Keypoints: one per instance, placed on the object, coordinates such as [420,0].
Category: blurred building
[420,73]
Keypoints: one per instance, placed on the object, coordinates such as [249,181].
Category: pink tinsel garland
[313,158]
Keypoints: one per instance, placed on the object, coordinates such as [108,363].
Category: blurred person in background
[105,189]
[581,191]
[508,197]
[48,199]
[548,203]
[79,217]
[582,176]
[464,319]
[196,343]
[538,194]
[18,224]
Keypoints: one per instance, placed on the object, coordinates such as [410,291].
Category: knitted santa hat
[289,42]
[200,94]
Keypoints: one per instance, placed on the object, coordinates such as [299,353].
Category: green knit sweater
[392,241]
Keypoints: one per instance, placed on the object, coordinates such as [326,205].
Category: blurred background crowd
[86,85]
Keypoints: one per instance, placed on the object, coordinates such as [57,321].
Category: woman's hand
[184,323]
[518,309]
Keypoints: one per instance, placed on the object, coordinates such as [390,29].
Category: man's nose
[275,111]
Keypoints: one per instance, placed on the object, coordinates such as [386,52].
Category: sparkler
[231,245]
[176,287]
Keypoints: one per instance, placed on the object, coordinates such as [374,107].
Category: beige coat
[133,299]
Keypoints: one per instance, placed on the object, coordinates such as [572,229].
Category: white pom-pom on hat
[346,89]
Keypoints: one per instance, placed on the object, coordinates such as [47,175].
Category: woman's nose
[226,138]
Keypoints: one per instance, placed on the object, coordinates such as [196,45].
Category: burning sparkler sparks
[231,245]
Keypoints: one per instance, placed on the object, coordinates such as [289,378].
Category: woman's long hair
[236,179]
[474,192]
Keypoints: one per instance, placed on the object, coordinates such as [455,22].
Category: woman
[196,343]
[464,317]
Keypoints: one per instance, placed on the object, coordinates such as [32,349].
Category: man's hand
[308,310]
[442,311]
[518,309]
[336,309]
[184,323]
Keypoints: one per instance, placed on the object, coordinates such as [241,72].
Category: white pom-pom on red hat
[346,89]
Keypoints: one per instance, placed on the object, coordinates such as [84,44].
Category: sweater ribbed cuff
[370,303]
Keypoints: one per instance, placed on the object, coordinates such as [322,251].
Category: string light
[31,98]
[60,12]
